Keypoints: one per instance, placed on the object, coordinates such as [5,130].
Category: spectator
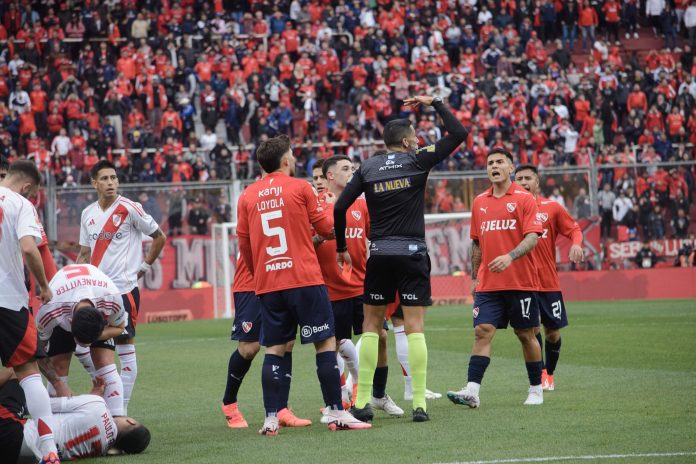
[176,205]
[657,223]
[686,257]
[582,205]
[557,197]
[645,258]
[680,224]
[653,11]
[198,218]
[606,200]
[622,205]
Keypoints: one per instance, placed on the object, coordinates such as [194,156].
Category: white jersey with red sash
[115,238]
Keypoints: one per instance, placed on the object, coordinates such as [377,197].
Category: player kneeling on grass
[504,229]
[83,426]
[87,310]
[555,220]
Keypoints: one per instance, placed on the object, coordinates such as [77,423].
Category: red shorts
[18,337]
[392,307]
[131,303]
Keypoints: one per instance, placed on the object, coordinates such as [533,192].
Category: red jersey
[499,225]
[243,280]
[357,230]
[554,220]
[274,215]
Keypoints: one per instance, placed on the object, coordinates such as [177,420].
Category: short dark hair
[271,151]
[318,164]
[25,169]
[87,325]
[395,131]
[101,164]
[500,151]
[133,440]
[527,167]
[333,161]
[4,164]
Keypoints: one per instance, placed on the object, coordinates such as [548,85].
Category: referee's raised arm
[456,132]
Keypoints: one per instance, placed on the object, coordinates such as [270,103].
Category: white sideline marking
[579,458]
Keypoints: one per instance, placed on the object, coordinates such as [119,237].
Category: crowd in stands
[202,82]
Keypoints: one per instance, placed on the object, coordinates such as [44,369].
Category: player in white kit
[87,309]
[20,233]
[111,234]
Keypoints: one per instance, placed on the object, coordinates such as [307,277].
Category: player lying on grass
[83,426]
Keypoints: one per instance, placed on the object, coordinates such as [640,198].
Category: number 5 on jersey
[269,231]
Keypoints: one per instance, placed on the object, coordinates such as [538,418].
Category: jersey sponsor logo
[511,207]
[271,191]
[277,264]
[543,217]
[390,164]
[105,235]
[408,296]
[354,232]
[485,210]
[356,214]
[246,326]
[376,297]
[390,185]
[309,330]
[499,224]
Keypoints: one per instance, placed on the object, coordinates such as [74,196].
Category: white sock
[341,365]
[473,388]
[84,355]
[39,406]
[52,391]
[347,350]
[402,355]
[129,371]
[113,389]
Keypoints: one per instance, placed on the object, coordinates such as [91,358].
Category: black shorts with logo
[409,275]
[552,310]
[131,303]
[62,342]
[19,340]
[247,317]
[518,308]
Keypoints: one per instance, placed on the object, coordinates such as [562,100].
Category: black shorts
[348,317]
[247,317]
[552,310]
[19,340]
[131,303]
[62,342]
[409,275]
[284,310]
[12,409]
[518,308]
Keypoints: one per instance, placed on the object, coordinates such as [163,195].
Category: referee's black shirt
[394,186]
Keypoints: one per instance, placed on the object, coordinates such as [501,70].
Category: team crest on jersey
[476,311]
[246,326]
[511,207]
[116,219]
[356,214]
[543,217]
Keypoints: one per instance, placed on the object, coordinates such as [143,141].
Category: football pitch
[625,392]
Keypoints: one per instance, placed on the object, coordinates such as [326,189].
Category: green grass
[626,384]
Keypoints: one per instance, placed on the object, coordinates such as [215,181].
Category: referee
[394,186]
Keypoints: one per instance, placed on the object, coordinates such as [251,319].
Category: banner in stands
[665,249]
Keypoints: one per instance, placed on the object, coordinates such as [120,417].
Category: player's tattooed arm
[84,255]
[475,258]
[526,245]
[47,369]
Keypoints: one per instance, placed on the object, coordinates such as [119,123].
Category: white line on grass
[595,457]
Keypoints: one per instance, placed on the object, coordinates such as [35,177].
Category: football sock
[286,379]
[84,355]
[553,352]
[534,372]
[402,349]
[477,367]
[39,406]
[341,367]
[51,390]
[271,383]
[347,350]
[236,370]
[418,360]
[327,372]
[113,389]
[379,383]
[129,371]
[541,343]
[366,369]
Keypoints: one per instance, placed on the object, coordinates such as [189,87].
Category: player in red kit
[554,220]
[346,288]
[275,240]
[504,230]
